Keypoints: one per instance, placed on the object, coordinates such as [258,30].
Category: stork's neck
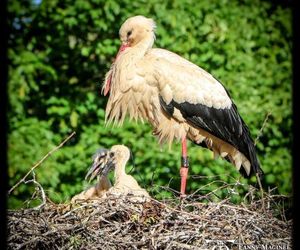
[120,168]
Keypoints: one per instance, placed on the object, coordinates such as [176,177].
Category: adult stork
[179,99]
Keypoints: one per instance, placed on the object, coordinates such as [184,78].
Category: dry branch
[40,161]
[259,134]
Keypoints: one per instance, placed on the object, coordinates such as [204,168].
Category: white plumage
[178,98]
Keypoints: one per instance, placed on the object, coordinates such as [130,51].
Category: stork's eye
[111,154]
[129,33]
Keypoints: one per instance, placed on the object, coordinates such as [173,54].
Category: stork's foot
[182,196]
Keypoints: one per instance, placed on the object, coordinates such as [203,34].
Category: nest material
[124,224]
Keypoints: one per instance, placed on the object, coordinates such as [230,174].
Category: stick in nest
[40,161]
[40,188]
[255,142]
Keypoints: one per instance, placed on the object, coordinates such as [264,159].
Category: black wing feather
[225,124]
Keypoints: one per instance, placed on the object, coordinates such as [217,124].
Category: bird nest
[120,223]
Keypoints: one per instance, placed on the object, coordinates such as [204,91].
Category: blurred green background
[59,52]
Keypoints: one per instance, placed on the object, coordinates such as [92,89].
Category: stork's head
[105,160]
[121,153]
[137,29]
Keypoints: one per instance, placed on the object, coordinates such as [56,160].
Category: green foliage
[59,52]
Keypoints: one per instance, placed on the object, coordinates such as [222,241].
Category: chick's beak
[108,167]
[103,163]
[99,159]
[93,171]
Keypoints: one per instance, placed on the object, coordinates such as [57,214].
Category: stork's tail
[252,156]
[255,162]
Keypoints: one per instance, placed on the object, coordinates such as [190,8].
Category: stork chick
[97,191]
[103,184]
[116,158]
[180,100]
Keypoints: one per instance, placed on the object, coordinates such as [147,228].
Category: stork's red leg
[184,167]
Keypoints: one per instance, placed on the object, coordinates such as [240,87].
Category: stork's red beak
[107,85]
[122,48]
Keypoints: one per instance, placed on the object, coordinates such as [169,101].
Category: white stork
[178,98]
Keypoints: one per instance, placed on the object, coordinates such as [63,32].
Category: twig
[255,142]
[262,128]
[181,211]
[261,192]
[39,186]
[73,210]
[39,162]
[42,191]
